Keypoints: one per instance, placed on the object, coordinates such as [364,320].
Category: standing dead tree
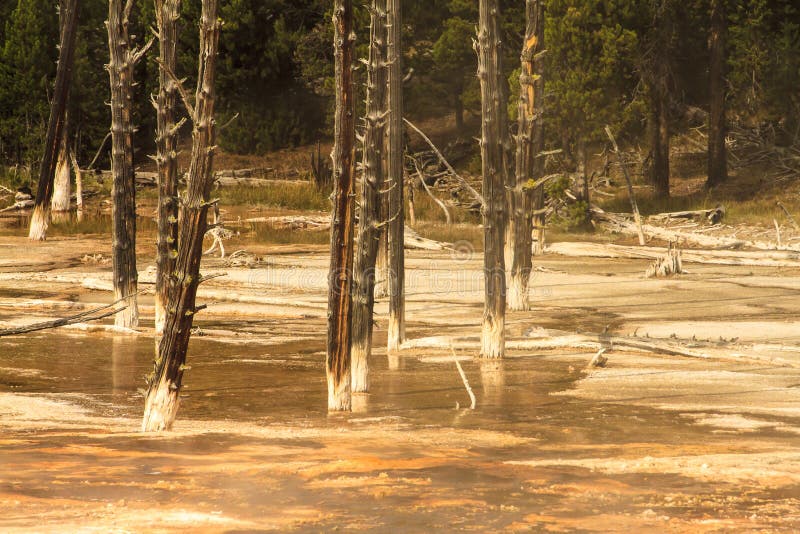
[493,106]
[120,70]
[369,222]
[55,126]
[167,15]
[717,153]
[162,399]
[530,140]
[396,331]
[340,274]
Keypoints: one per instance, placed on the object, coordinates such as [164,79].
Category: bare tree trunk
[61,184]
[340,274]
[167,15]
[530,141]
[161,403]
[490,72]
[396,331]
[55,126]
[717,154]
[123,193]
[369,222]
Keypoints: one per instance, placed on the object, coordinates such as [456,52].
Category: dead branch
[462,181]
[82,317]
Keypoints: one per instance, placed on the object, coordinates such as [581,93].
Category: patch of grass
[269,235]
[301,196]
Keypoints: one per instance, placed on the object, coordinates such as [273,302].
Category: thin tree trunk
[369,222]
[167,15]
[494,180]
[658,131]
[120,71]
[396,332]
[717,154]
[340,274]
[458,112]
[78,184]
[55,126]
[162,400]
[530,140]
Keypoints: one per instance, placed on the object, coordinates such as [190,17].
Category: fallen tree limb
[616,222]
[78,318]
[714,215]
[714,257]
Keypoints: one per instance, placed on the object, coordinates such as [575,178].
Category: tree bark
[55,126]
[396,331]
[530,142]
[61,184]
[120,69]
[369,222]
[340,274]
[658,74]
[167,15]
[162,400]
[717,155]
[493,108]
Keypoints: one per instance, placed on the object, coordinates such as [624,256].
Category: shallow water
[254,448]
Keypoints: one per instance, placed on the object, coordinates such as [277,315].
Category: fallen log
[82,317]
[619,223]
[714,257]
[19,205]
[714,216]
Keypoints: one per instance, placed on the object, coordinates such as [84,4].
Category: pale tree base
[339,397]
[39,222]
[129,317]
[61,186]
[539,243]
[396,333]
[517,293]
[359,367]
[160,408]
[493,342]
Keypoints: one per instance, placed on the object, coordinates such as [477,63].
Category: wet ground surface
[650,443]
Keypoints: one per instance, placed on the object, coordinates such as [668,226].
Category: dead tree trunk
[657,72]
[659,142]
[161,403]
[369,222]
[493,158]
[120,69]
[717,155]
[61,183]
[340,275]
[529,144]
[167,15]
[55,126]
[394,173]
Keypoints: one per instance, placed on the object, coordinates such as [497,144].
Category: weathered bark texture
[493,107]
[396,331]
[530,142]
[56,124]
[120,69]
[717,155]
[340,275]
[78,183]
[167,15]
[61,183]
[369,222]
[161,404]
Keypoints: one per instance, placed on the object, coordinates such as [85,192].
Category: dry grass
[301,196]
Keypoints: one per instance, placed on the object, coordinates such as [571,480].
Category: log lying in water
[776,258]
